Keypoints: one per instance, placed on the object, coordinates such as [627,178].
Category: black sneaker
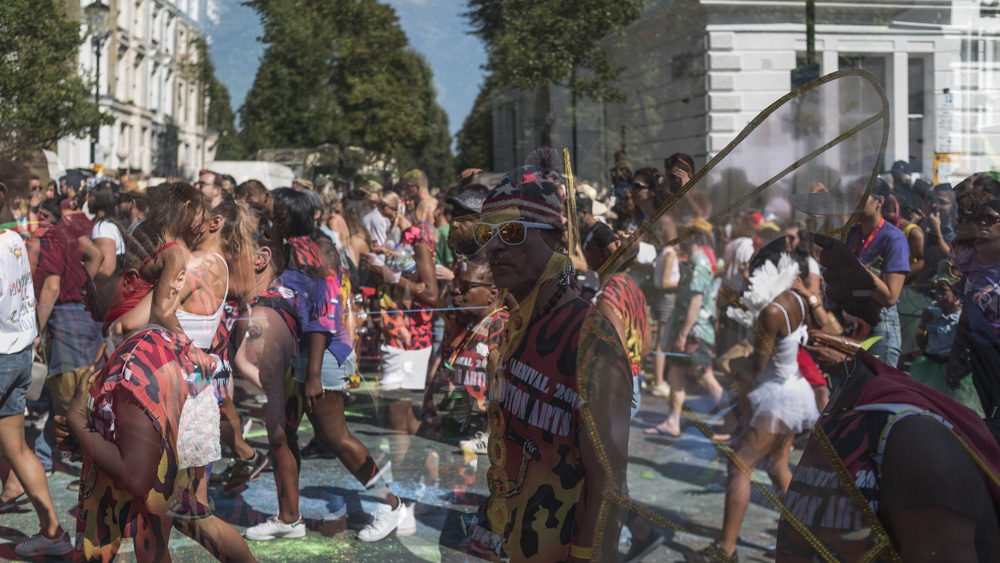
[246,470]
[712,554]
[315,450]
[224,475]
[643,547]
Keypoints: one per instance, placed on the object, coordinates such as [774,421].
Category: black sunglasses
[986,220]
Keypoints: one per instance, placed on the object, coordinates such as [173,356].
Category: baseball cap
[471,202]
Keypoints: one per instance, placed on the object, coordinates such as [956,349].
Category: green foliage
[534,42]
[341,72]
[220,118]
[475,139]
[42,98]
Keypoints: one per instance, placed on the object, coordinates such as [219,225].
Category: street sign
[945,122]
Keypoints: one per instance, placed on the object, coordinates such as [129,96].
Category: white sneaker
[273,528]
[385,519]
[477,444]
[408,525]
[391,383]
[661,390]
[39,545]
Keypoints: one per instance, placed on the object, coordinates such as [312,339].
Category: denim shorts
[335,375]
[15,376]
[887,349]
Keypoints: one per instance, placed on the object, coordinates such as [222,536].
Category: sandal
[14,502]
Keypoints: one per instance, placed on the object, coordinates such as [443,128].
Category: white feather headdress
[768,282]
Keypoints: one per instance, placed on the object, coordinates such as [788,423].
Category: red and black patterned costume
[156,370]
[536,480]
[465,352]
[625,298]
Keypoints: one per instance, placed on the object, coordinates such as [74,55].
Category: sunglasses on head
[512,233]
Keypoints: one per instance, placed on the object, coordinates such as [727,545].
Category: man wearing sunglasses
[559,394]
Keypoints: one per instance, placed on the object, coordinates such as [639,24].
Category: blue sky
[435,28]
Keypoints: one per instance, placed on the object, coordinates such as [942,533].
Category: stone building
[700,70]
[149,82]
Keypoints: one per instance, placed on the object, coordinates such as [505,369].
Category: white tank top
[660,262]
[201,329]
[783,363]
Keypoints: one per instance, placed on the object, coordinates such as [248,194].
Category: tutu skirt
[931,373]
[783,406]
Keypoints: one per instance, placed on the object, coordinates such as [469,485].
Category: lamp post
[100,29]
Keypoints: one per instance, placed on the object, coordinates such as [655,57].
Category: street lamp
[100,30]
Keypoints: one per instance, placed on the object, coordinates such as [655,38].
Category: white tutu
[783,406]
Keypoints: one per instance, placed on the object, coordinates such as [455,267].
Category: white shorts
[404,369]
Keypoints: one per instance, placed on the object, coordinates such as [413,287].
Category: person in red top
[559,394]
[71,338]
[622,302]
[409,295]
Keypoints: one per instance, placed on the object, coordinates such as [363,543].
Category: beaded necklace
[548,306]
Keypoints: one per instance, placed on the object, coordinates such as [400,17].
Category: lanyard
[869,240]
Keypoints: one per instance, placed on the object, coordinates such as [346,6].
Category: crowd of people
[480,315]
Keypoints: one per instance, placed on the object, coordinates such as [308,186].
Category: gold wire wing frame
[754,123]
[574,223]
[822,552]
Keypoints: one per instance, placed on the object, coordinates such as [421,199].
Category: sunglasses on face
[512,233]
[639,187]
[986,220]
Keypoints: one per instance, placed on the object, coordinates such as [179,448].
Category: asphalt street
[680,479]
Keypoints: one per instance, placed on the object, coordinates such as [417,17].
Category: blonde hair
[390,198]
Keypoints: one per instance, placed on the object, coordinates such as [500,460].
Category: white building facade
[699,70]
[149,83]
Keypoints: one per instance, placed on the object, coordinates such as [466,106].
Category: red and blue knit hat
[524,193]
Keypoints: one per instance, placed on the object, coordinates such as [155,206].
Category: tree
[535,42]
[220,118]
[342,72]
[42,98]
[475,139]
[290,103]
